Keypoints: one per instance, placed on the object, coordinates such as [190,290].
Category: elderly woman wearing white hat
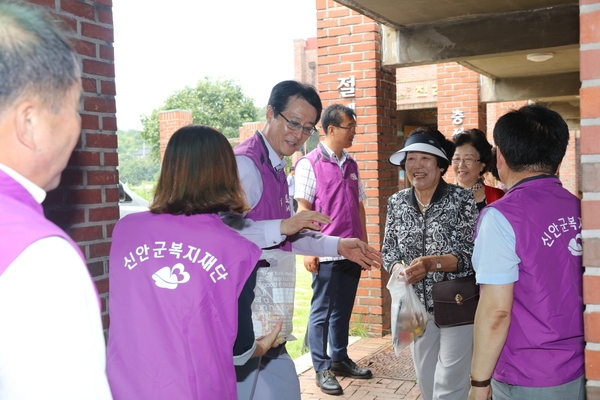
[429,226]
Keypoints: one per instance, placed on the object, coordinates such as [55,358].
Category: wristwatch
[480,383]
[438,264]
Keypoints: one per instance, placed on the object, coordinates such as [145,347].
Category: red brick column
[248,129]
[458,90]
[590,183]
[458,102]
[169,121]
[349,44]
[85,204]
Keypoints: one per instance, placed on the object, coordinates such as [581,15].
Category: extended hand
[303,220]
[361,253]
[311,264]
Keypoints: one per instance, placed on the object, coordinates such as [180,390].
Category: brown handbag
[455,301]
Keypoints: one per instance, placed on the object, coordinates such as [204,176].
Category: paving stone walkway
[367,352]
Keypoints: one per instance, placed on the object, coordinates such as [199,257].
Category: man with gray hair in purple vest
[529,341]
[51,341]
[292,113]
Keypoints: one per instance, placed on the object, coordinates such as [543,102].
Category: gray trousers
[442,360]
[574,390]
[274,378]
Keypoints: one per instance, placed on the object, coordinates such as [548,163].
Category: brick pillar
[590,183]
[459,107]
[248,128]
[458,90]
[169,121]
[85,204]
[305,60]
[349,44]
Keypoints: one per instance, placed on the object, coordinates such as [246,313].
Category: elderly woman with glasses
[473,158]
[429,227]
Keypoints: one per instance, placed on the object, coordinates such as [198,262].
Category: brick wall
[169,121]
[458,102]
[458,90]
[85,204]
[305,61]
[248,129]
[590,181]
[350,44]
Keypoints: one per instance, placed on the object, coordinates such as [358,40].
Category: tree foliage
[135,169]
[220,104]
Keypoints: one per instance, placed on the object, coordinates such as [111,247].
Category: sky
[164,46]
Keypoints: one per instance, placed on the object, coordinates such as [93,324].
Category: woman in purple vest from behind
[175,275]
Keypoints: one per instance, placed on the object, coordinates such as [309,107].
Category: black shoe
[347,367]
[327,382]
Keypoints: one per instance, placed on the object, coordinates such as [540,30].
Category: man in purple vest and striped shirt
[328,181]
[529,340]
[51,341]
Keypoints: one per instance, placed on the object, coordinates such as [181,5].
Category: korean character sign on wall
[347,86]
[457,119]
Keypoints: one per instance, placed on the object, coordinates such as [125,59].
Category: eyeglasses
[350,128]
[296,126]
[467,161]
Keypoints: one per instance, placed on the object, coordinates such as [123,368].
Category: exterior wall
[349,44]
[305,61]
[458,102]
[169,121]
[590,186]
[85,204]
[458,95]
[248,129]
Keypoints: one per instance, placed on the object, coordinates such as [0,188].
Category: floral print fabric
[445,227]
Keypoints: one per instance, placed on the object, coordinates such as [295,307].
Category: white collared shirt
[268,233]
[51,340]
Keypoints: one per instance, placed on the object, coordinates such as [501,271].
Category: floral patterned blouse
[446,227]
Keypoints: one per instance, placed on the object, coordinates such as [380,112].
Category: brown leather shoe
[349,368]
[328,383]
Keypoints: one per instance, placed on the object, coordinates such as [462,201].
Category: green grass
[303,294]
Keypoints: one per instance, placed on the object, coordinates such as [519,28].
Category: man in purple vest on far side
[293,111]
[529,341]
[328,181]
[51,341]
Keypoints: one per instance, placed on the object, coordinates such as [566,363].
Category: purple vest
[545,343]
[174,285]
[337,194]
[22,222]
[274,202]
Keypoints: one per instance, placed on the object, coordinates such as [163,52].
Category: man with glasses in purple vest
[292,113]
[51,341]
[528,330]
[328,181]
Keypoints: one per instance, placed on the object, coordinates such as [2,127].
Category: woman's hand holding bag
[409,317]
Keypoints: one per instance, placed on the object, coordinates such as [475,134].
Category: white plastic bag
[274,295]
[409,317]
